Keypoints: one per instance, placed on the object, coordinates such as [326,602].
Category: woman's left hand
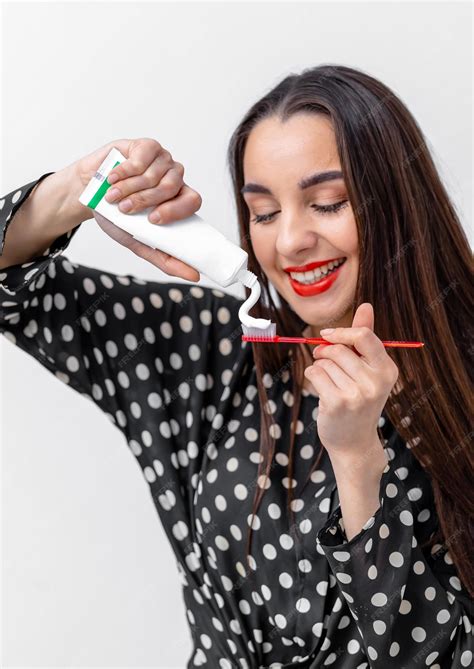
[353,378]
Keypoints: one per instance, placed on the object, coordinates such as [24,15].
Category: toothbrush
[268,336]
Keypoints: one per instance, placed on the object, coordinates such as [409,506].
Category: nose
[296,238]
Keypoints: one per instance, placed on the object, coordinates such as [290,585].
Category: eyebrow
[313,180]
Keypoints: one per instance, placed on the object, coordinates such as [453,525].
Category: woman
[318,501]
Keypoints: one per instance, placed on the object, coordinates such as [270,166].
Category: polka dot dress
[166,364]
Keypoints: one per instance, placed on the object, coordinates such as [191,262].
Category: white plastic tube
[191,240]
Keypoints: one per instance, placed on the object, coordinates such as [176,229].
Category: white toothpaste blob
[250,280]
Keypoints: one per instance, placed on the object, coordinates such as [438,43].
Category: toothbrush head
[260,333]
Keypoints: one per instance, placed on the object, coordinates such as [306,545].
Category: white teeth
[314,275]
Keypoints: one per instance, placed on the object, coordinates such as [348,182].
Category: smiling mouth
[318,274]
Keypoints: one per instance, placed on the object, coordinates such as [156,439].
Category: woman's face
[295,232]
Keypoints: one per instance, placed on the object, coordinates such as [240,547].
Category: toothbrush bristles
[265,333]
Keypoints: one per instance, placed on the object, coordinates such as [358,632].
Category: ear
[364,316]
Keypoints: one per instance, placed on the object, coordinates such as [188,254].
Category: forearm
[51,209]
[358,484]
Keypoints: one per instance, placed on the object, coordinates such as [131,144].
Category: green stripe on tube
[100,192]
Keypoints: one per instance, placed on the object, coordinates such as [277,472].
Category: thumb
[364,316]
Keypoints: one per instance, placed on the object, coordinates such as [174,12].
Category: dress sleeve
[409,604]
[156,357]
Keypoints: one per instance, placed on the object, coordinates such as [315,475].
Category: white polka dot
[285,580]
[322,588]
[269,551]
[379,599]
[317,629]
[372,653]
[430,593]
[72,363]
[205,316]
[166,330]
[406,517]
[391,490]
[222,543]
[303,605]
[305,526]
[280,621]
[431,658]
[307,452]
[418,634]
[379,627]
[395,559]
[221,503]
[443,616]
[240,491]
[353,647]
[244,606]
[176,361]
[274,511]
[236,533]
[89,286]
[384,531]
[142,372]
[394,649]
[119,311]
[466,658]
[59,301]
[405,607]
[372,572]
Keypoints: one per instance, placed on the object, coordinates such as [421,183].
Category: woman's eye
[260,218]
[330,208]
[320,208]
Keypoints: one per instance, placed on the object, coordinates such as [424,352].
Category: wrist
[69,187]
[363,466]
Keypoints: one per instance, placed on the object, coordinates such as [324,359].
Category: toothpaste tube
[191,240]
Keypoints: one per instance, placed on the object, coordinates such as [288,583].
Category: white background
[88,576]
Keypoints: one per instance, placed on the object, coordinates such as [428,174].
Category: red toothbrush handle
[319,340]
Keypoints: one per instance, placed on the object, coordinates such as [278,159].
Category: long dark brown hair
[415,268]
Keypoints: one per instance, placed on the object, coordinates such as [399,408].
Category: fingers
[348,360]
[168,264]
[141,154]
[151,179]
[321,381]
[155,184]
[364,340]
[337,375]
[186,203]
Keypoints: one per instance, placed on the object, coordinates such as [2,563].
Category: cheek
[264,250]
[347,238]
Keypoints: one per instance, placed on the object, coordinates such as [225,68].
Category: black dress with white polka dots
[166,364]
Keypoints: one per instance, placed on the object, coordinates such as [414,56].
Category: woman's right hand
[148,178]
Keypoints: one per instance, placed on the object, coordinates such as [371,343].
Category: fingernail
[126,205]
[112,194]
[155,218]
[112,178]
[326,331]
